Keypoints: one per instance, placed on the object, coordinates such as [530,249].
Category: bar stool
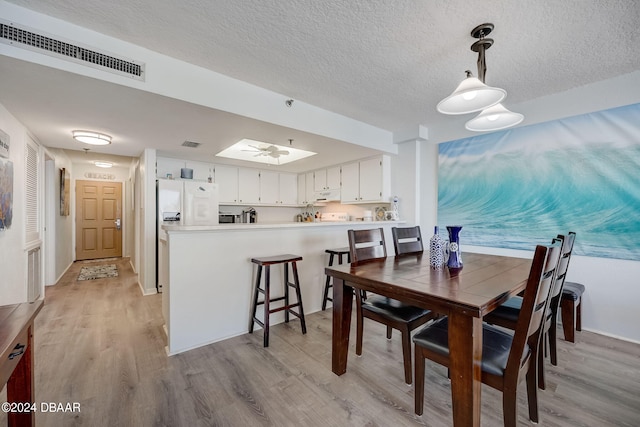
[571,309]
[267,262]
[333,252]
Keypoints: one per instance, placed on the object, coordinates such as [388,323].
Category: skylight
[263,152]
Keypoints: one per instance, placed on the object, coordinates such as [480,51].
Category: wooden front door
[98,219]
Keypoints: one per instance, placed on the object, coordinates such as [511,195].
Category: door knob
[117,221]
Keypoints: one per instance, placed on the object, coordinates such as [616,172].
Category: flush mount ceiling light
[103,164]
[92,138]
[474,95]
[263,152]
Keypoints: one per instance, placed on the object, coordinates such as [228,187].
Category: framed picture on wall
[65,191]
[6,194]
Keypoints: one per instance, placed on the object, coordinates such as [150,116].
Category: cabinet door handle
[17,351]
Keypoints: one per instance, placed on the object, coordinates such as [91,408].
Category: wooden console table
[16,362]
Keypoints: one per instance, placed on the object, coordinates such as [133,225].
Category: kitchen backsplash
[278,214]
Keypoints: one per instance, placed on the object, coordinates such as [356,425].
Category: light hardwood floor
[101,344]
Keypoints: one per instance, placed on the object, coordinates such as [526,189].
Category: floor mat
[98,272]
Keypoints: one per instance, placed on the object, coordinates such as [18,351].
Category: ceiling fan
[271,151]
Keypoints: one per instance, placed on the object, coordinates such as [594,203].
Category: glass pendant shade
[494,118]
[471,95]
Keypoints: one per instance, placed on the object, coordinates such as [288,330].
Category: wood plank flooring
[101,344]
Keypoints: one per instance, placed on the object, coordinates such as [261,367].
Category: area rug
[98,272]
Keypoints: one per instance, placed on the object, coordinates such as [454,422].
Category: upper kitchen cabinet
[366,181]
[278,188]
[227,179]
[201,171]
[327,179]
[169,168]
[306,192]
[248,186]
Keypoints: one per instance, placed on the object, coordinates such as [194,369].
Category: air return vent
[191,144]
[23,37]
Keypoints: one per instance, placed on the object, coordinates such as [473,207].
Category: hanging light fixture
[474,95]
[103,164]
[92,138]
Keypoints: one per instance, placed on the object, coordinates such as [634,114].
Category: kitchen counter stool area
[209,275]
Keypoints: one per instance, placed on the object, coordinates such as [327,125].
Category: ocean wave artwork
[521,187]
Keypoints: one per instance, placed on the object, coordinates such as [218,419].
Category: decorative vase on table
[436,250]
[455,255]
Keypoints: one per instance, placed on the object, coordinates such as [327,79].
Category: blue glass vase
[455,255]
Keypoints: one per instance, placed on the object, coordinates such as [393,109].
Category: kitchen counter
[170,226]
[207,275]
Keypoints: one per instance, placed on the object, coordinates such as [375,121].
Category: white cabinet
[201,171]
[288,189]
[366,181]
[269,187]
[168,168]
[248,186]
[227,179]
[327,179]
[306,188]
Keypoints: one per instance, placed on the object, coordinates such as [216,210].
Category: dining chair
[507,314]
[407,240]
[366,245]
[507,358]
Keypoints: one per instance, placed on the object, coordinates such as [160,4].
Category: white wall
[64,225]
[13,260]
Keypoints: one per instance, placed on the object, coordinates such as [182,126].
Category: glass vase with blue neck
[455,254]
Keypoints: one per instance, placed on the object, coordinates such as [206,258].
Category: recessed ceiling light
[103,164]
[263,152]
[93,138]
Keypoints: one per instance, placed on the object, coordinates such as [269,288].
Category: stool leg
[254,305]
[327,285]
[267,286]
[296,281]
[286,292]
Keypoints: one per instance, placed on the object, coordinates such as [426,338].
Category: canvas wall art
[519,188]
[6,194]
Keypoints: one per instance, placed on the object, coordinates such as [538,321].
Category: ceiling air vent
[191,144]
[23,37]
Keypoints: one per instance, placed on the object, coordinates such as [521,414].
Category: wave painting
[519,188]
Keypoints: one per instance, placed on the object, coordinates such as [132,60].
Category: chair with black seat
[366,245]
[507,314]
[407,240]
[571,309]
[507,358]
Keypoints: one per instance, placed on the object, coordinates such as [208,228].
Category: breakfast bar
[207,276]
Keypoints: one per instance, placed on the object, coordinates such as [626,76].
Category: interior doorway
[98,219]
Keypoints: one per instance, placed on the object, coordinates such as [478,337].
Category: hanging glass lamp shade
[494,118]
[471,95]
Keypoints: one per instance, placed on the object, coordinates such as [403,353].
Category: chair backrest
[407,240]
[367,244]
[561,272]
[534,304]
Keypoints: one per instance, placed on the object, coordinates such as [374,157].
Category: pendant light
[474,95]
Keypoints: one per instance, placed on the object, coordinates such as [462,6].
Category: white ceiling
[386,63]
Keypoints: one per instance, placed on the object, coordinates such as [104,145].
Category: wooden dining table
[465,295]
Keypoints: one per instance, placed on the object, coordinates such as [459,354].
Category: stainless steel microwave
[228,218]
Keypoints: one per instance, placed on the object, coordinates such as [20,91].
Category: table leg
[342,305]
[20,386]
[465,347]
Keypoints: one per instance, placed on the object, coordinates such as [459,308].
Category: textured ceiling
[383,62]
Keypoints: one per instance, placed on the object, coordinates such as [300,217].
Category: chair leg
[389,331]
[553,348]
[539,359]
[567,310]
[578,310]
[406,354]
[509,407]
[419,384]
[359,322]
[532,393]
